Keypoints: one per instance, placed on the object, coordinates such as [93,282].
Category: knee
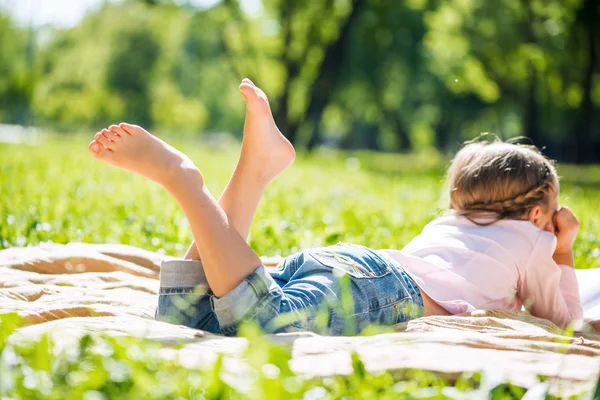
[256,298]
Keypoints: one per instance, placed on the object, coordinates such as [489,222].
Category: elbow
[571,318]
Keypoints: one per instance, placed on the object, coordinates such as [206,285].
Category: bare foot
[264,148]
[133,148]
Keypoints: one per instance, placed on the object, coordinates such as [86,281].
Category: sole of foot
[132,148]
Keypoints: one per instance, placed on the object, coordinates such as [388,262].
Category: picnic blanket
[83,288]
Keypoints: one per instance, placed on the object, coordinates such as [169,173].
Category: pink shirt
[463,266]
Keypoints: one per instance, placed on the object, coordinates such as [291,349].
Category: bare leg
[226,256]
[252,173]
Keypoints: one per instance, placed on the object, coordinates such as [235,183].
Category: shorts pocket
[353,263]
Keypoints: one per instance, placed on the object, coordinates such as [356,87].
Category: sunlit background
[68,13]
[385,75]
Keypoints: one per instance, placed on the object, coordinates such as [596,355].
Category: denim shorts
[335,290]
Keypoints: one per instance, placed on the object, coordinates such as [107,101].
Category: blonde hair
[502,179]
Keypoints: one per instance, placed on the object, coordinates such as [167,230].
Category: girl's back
[498,246]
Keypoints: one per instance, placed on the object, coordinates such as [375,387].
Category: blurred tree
[130,71]
[17,73]
[126,72]
[587,121]
[304,43]
[385,69]
[519,59]
[357,73]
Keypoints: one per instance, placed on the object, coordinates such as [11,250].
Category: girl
[505,242]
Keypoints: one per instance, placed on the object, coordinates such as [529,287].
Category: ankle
[182,177]
[252,172]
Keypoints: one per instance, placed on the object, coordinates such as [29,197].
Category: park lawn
[56,191]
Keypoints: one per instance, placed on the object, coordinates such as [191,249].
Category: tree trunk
[363,135]
[281,115]
[585,142]
[530,115]
[392,117]
[443,127]
[322,89]
[292,69]
[404,142]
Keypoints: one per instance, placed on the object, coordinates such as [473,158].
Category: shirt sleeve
[549,290]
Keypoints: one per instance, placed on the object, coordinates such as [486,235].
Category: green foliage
[105,71]
[129,73]
[500,51]
[17,78]
[373,74]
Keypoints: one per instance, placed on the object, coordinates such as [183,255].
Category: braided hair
[500,180]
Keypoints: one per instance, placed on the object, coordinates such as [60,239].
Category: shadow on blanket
[113,289]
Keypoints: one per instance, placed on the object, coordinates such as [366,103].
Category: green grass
[57,192]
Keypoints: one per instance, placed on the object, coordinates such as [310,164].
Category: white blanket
[79,288]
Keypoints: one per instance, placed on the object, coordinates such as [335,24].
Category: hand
[566,227]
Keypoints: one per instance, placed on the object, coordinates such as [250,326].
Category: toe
[111,134]
[94,147]
[131,129]
[117,131]
[103,140]
[255,98]
[248,91]
[98,150]
[261,94]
